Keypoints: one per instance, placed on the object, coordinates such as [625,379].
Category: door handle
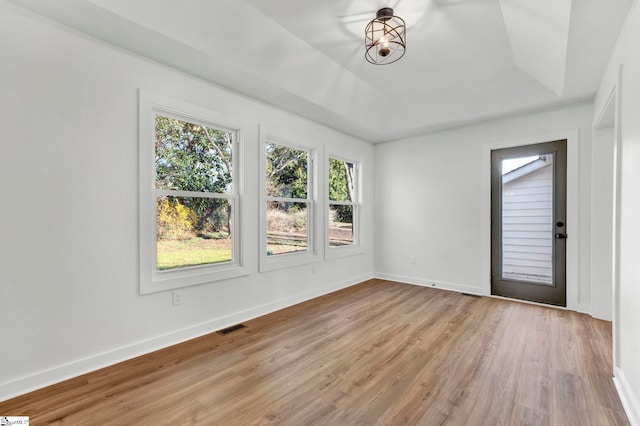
[561,236]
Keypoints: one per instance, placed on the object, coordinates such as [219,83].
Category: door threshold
[529,302]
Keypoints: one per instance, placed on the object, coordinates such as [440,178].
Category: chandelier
[385,38]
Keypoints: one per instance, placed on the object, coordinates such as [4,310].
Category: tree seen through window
[288,207]
[342,202]
[194,194]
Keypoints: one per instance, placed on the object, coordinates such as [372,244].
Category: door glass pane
[527,220]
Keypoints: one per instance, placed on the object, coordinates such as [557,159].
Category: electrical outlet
[412,260]
[176,298]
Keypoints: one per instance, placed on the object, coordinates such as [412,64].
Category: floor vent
[471,295]
[231,329]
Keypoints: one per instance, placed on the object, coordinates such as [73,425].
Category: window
[189,197]
[343,206]
[288,205]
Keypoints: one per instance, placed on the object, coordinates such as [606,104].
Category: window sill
[171,280]
[338,252]
[282,261]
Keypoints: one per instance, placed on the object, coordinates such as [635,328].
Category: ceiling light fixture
[385,38]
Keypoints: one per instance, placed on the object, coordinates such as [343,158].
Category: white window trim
[152,280]
[357,247]
[287,260]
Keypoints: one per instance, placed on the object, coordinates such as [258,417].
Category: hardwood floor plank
[379,353]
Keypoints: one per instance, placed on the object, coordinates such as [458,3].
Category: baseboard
[629,399]
[584,308]
[78,367]
[461,288]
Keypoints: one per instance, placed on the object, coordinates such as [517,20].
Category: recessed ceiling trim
[470,61]
[539,36]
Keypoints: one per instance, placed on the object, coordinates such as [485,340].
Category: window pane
[527,219]
[286,228]
[193,231]
[341,180]
[286,171]
[340,225]
[191,157]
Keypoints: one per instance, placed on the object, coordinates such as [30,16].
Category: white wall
[430,196]
[623,73]
[68,216]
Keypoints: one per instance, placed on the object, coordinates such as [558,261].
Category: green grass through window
[173,254]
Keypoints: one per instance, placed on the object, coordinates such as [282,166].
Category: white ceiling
[466,60]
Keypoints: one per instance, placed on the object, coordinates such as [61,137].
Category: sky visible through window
[513,163]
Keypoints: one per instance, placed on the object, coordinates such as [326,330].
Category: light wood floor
[375,353]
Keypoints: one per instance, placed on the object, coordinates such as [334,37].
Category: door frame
[553,293]
[613,104]
[573,224]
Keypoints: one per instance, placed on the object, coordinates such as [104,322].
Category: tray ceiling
[466,60]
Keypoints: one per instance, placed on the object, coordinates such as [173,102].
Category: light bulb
[384,50]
